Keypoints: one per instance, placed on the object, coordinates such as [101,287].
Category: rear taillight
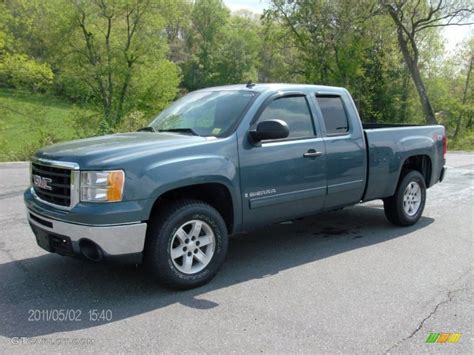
[445,144]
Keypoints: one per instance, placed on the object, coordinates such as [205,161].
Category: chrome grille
[58,189]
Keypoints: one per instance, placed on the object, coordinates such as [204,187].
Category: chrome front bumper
[114,240]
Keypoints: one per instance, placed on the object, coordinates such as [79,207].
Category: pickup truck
[219,161]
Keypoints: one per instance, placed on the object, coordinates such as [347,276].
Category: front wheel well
[420,163]
[215,194]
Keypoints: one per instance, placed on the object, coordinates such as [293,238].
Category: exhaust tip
[90,250]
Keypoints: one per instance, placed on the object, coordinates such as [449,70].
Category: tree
[412,19]
[177,14]
[110,74]
[237,54]
[280,58]
[464,96]
[106,48]
[465,93]
[209,18]
[342,45]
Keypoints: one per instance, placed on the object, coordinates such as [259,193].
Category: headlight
[102,186]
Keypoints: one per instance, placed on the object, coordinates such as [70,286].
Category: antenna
[250,84]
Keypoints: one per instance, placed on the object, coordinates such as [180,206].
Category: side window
[295,112]
[334,115]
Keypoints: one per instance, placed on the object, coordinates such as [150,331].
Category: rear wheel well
[421,163]
[215,194]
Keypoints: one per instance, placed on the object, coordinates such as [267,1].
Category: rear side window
[294,111]
[334,115]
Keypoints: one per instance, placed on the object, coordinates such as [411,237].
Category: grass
[29,121]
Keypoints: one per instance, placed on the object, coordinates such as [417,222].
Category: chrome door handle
[312,154]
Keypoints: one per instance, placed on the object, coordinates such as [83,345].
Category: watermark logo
[441,338]
[52,341]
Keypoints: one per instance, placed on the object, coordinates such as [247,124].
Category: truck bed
[389,146]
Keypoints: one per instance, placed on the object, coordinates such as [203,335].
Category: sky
[252,5]
[453,34]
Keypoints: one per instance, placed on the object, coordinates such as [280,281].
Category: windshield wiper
[146,129]
[180,130]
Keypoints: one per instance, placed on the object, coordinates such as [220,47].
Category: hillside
[28,121]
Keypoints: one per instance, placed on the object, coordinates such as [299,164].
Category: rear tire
[186,244]
[406,206]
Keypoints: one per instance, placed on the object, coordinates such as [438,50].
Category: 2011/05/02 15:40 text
[69,315]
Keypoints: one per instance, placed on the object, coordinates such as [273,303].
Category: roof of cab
[274,87]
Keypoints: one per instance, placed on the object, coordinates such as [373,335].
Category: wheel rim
[412,198]
[192,246]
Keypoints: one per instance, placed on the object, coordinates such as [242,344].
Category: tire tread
[392,207]
[159,221]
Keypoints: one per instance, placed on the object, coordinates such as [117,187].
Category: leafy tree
[111,53]
[209,18]
[280,58]
[112,42]
[467,95]
[412,19]
[177,14]
[237,57]
[340,45]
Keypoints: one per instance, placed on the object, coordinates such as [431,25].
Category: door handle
[312,154]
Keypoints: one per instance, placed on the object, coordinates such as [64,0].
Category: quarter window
[334,115]
[295,112]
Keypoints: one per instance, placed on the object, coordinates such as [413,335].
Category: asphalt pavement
[340,282]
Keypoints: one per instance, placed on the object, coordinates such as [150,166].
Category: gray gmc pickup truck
[219,161]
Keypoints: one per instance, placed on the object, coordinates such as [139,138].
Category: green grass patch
[29,121]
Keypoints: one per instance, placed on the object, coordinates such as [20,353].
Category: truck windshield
[205,113]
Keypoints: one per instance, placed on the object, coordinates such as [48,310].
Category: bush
[20,71]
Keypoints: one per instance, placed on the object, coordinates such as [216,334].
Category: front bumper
[122,241]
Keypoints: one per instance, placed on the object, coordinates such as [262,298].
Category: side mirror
[271,129]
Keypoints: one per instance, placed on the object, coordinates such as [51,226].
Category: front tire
[186,244]
[406,206]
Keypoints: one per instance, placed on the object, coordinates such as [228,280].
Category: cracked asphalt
[341,282]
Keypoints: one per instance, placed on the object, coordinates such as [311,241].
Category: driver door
[284,178]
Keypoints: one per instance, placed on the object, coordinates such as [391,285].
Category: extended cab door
[283,178]
[346,160]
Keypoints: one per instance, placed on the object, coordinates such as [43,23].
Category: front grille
[59,181]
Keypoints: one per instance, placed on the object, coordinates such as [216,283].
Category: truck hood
[112,150]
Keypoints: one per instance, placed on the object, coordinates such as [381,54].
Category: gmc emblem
[42,182]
